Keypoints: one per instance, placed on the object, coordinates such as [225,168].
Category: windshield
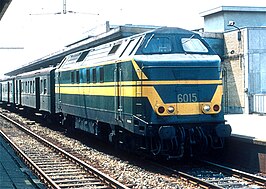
[193,45]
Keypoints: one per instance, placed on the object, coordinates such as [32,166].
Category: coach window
[30,86]
[41,86]
[11,88]
[22,86]
[88,75]
[44,86]
[26,87]
[94,80]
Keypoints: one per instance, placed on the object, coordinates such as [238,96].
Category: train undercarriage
[171,142]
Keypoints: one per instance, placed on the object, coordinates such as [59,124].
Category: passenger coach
[8,91]
[35,90]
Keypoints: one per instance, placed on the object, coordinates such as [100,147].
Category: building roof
[232,9]
[3,7]
[56,57]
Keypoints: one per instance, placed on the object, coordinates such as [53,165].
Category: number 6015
[187,97]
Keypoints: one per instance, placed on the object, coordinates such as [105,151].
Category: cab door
[58,95]
[118,101]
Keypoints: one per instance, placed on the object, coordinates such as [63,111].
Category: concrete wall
[244,19]
[217,19]
[214,23]
[233,73]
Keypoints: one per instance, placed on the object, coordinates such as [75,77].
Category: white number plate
[187,97]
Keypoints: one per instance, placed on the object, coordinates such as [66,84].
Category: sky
[33,27]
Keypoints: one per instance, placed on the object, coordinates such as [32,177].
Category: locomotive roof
[116,49]
[112,35]
[173,30]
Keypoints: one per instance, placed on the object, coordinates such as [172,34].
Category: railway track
[67,172]
[236,178]
[54,166]
[206,174]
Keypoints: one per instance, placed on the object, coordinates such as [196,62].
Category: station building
[242,33]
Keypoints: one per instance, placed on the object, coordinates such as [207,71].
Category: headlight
[206,108]
[171,109]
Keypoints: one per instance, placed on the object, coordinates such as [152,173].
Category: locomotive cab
[181,90]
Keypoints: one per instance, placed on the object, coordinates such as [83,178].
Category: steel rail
[240,174]
[103,177]
[48,181]
[189,178]
[196,180]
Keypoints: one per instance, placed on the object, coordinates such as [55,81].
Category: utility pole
[64,7]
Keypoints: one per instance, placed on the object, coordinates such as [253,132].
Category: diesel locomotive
[159,92]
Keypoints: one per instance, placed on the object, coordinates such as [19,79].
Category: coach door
[19,92]
[37,92]
[118,102]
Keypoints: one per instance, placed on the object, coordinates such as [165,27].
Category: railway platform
[246,148]
[13,172]
[251,126]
